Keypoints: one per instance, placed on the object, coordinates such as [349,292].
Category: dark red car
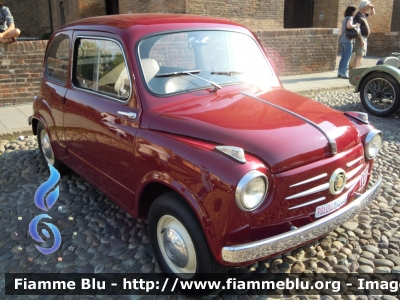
[182,119]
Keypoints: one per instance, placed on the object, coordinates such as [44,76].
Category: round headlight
[251,190]
[373,143]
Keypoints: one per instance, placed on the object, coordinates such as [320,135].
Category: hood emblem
[337,182]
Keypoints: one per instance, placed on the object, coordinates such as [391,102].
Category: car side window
[58,59]
[100,66]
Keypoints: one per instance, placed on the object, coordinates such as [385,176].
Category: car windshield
[180,62]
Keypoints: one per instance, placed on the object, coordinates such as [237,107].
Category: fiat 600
[182,120]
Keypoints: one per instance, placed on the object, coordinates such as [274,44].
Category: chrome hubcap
[46,147]
[379,94]
[176,247]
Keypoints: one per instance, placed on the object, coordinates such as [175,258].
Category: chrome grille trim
[293,238]
[353,172]
[353,162]
[308,203]
[310,180]
[353,182]
[314,190]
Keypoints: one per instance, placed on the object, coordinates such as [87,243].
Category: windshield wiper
[178,73]
[229,73]
[190,72]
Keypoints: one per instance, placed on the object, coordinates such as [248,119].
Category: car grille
[295,194]
[354,168]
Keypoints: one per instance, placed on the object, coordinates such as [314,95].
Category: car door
[55,85]
[101,116]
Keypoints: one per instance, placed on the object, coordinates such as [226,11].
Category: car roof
[125,21]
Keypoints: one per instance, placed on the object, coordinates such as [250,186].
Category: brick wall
[152,6]
[92,8]
[301,51]
[21,68]
[256,15]
[383,43]
[26,16]
[326,13]
[75,10]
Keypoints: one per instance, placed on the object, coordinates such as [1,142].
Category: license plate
[327,208]
[364,178]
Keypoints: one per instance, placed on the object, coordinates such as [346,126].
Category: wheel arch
[149,194]
[36,121]
[152,190]
[395,73]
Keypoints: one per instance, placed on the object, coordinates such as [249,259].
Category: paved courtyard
[98,236]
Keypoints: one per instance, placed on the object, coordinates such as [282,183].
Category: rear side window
[58,59]
[100,66]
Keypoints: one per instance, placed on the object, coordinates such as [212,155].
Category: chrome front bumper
[282,242]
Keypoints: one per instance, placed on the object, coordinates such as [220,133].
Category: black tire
[46,150]
[165,213]
[380,94]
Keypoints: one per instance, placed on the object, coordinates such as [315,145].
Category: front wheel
[177,239]
[380,94]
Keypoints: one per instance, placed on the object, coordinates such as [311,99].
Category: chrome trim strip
[363,117]
[128,114]
[353,182]
[222,148]
[353,162]
[310,180]
[331,142]
[314,190]
[308,203]
[302,235]
[353,172]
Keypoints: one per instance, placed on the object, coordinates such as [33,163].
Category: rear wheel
[177,239]
[380,94]
[46,150]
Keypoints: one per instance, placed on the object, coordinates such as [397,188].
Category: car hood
[281,140]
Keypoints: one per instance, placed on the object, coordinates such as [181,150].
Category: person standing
[8,32]
[346,44]
[361,18]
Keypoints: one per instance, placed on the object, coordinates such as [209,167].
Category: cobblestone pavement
[98,236]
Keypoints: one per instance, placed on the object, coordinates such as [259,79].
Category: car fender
[357,75]
[43,114]
[204,177]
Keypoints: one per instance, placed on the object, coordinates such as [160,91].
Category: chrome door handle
[130,115]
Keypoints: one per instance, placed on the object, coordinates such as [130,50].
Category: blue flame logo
[40,202]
